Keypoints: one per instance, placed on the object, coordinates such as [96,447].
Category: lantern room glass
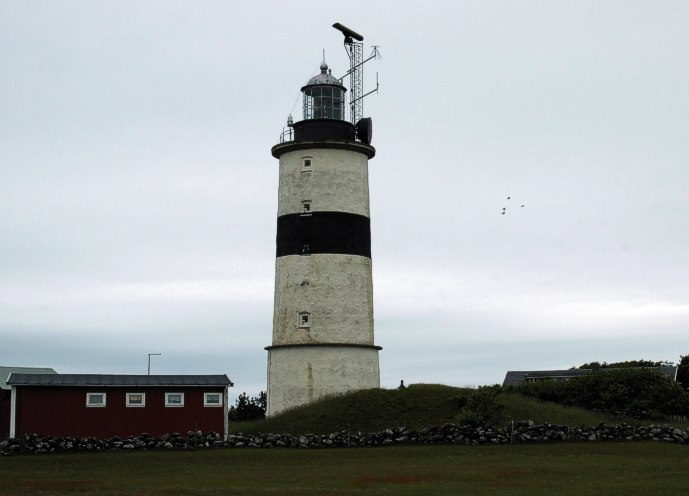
[324,102]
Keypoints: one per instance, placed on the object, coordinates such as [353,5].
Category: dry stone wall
[521,432]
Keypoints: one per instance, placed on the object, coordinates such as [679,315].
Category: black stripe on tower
[324,232]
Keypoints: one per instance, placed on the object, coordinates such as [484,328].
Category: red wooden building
[6,393]
[103,406]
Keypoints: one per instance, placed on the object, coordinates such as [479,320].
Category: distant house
[6,393]
[514,377]
[103,406]
[517,377]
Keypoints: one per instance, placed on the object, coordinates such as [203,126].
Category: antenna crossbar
[372,91]
[373,56]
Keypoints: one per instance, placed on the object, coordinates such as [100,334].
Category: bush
[635,392]
[683,371]
[246,408]
[479,408]
[621,365]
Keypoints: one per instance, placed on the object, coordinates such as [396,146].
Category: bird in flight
[504,209]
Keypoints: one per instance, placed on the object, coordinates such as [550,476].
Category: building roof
[109,380]
[6,371]
[518,376]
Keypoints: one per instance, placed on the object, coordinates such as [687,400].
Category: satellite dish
[364,130]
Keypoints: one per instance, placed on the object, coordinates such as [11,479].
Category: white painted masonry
[335,352]
[300,375]
[336,181]
[337,290]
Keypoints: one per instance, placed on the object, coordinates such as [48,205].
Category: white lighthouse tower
[323,312]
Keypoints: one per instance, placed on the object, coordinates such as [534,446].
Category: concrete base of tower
[298,375]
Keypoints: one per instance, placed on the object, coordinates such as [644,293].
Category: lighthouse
[323,337]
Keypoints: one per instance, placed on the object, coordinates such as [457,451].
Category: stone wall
[523,432]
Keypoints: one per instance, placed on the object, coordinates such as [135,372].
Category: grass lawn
[645,468]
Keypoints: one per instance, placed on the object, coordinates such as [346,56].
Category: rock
[524,423]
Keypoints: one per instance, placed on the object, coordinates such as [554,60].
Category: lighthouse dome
[324,78]
[324,96]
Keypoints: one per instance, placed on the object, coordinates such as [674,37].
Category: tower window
[305,248]
[306,206]
[304,319]
[307,163]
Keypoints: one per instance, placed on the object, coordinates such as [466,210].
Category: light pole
[149,361]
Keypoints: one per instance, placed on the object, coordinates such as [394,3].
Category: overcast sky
[138,196]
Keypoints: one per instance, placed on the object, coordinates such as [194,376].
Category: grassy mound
[416,407]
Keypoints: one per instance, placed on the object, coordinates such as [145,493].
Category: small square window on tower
[304,319]
[306,206]
[305,248]
[307,163]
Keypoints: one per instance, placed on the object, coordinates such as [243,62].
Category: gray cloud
[138,194]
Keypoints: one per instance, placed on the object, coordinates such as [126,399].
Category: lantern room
[324,96]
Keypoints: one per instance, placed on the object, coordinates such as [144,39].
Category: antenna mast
[354,50]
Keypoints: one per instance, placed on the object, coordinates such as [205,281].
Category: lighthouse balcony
[319,129]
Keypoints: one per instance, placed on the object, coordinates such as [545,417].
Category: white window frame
[89,404]
[301,324]
[136,405]
[174,405]
[209,404]
[307,163]
[306,207]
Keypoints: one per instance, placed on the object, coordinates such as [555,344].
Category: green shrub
[480,407]
[640,393]
[683,372]
[247,408]
[621,365]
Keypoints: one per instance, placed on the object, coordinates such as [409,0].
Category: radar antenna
[354,50]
